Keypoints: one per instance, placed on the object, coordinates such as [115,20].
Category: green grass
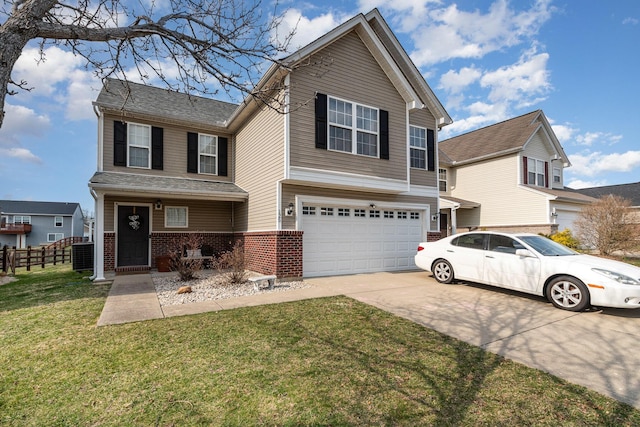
[330,361]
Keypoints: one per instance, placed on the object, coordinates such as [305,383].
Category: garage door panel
[335,244]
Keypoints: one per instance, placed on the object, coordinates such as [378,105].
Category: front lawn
[330,361]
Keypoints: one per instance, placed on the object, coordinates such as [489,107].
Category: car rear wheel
[568,293]
[442,271]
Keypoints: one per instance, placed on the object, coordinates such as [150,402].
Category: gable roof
[20,207]
[141,100]
[385,48]
[629,191]
[507,137]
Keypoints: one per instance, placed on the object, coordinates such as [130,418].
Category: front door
[133,235]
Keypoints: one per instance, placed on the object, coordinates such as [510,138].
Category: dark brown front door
[133,235]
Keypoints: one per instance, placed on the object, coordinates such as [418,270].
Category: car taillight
[420,248]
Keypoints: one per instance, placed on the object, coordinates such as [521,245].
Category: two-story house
[28,223]
[509,177]
[344,181]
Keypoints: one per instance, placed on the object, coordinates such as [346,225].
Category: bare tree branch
[213,45]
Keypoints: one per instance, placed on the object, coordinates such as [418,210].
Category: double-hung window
[208,154]
[418,144]
[535,170]
[557,175]
[139,141]
[176,217]
[442,179]
[347,119]
[57,221]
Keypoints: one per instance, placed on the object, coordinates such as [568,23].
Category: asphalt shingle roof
[158,102]
[20,207]
[629,191]
[508,136]
[164,185]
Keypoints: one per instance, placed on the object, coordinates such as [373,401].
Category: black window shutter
[157,148]
[431,150]
[119,143]
[222,156]
[546,174]
[321,121]
[192,152]
[384,134]
[524,170]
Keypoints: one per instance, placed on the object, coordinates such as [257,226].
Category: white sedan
[533,264]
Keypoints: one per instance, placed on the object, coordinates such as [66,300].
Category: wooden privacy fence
[58,252]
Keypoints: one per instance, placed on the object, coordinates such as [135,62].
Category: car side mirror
[525,253]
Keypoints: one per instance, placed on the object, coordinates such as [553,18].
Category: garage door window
[326,211]
[344,212]
[415,215]
[402,215]
[359,213]
[308,210]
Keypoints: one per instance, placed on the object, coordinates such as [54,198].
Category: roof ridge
[492,125]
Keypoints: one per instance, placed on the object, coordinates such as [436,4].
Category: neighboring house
[345,182]
[630,192]
[509,177]
[25,223]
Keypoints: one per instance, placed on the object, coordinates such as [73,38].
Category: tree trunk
[15,33]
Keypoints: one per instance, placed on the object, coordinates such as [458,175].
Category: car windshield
[547,247]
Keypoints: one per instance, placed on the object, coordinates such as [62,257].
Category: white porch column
[98,247]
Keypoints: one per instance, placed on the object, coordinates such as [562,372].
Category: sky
[486,60]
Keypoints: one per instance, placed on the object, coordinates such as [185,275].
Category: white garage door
[565,219]
[344,240]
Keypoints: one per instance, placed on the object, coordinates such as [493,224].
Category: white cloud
[595,163]
[630,21]
[601,138]
[20,120]
[20,154]
[447,32]
[577,184]
[306,29]
[456,81]
[524,83]
[563,132]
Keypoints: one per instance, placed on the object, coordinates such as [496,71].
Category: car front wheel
[568,293]
[442,271]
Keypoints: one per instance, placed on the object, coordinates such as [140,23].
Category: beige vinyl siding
[494,185]
[260,165]
[289,192]
[424,118]
[346,70]
[209,216]
[174,151]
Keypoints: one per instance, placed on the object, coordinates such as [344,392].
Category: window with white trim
[402,215]
[54,237]
[208,154]
[374,214]
[415,215]
[326,211]
[344,212]
[308,210]
[418,144]
[442,179]
[388,214]
[557,175]
[176,217]
[139,145]
[57,221]
[342,127]
[22,219]
[535,171]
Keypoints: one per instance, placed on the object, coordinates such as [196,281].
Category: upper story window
[208,154]
[442,179]
[57,221]
[22,219]
[536,172]
[343,127]
[557,175]
[418,144]
[139,145]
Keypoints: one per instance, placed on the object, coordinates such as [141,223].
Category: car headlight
[620,278]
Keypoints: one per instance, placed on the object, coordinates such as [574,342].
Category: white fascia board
[108,189]
[327,178]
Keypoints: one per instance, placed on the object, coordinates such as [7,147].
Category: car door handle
[488,256]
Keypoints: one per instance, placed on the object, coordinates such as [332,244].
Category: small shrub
[233,264]
[565,237]
[186,266]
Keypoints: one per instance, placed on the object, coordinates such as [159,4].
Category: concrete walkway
[596,349]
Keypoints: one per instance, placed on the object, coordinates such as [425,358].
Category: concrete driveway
[596,349]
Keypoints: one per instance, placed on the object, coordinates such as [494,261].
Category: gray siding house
[26,223]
